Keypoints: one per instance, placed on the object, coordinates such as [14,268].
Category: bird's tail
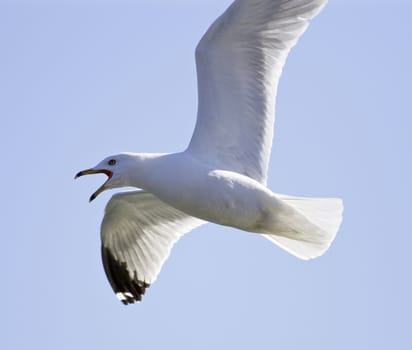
[309,229]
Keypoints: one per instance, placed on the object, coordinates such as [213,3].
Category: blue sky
[80,80]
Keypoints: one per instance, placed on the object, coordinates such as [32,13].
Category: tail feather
[318,220]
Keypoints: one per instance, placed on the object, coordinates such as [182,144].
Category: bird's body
[233,199]
[221,176]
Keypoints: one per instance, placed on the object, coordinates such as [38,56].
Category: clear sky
[80,80]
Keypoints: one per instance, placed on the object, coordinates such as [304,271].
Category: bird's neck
[147,169]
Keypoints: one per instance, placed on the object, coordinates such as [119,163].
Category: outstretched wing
[239,62]
[138,232]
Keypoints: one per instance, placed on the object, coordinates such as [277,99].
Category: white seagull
[221,176]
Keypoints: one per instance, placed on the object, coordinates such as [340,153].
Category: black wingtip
[128,290]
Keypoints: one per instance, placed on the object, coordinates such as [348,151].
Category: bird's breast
[218,196]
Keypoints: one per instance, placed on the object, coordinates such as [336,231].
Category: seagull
[221,176]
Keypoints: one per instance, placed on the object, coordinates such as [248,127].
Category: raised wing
[239,62]
[138,232]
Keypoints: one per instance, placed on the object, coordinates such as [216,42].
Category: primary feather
[138,232]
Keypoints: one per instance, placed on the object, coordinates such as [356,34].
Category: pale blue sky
[80,80]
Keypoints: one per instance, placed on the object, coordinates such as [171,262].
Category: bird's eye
[112,162]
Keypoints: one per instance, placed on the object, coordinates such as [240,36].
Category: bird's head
[113,167]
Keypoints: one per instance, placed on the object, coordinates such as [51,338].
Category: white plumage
[139,231]
[239,63]
[221,176]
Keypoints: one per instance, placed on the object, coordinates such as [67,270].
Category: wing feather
[138,232]
[239,63]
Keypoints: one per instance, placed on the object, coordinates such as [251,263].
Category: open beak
[96,171]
